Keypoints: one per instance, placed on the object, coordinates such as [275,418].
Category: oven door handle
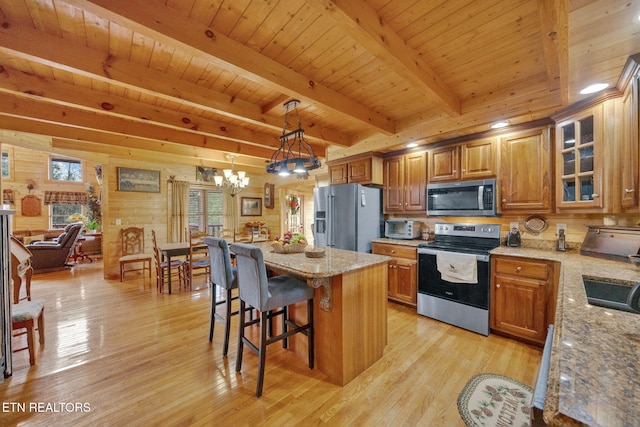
[427,251]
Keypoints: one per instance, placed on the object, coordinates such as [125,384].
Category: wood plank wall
[148,210]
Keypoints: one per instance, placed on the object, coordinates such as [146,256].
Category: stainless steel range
[454,275]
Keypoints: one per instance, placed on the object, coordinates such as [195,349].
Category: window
[5,165]
[65,169]
[61,211]
[206,210]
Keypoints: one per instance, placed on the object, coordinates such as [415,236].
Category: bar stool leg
[263,352]
[240,338]
[227,326]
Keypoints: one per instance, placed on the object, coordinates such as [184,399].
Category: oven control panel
[468,230]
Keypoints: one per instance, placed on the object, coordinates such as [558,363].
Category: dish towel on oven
[457,268]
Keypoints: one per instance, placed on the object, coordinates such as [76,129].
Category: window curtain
[51,197]
[179,210]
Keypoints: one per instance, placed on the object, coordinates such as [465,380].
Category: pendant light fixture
[231,182]
[295,155]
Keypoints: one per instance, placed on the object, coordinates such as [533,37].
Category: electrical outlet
[118,222]
[561,227]
[514,225]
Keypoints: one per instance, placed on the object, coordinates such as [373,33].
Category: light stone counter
[403,242]
[335,261]
[594,376]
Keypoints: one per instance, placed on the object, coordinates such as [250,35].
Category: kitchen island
[594,375]
[350,307]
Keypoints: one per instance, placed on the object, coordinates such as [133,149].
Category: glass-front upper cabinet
[579,172]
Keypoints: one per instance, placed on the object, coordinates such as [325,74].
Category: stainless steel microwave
[465,198]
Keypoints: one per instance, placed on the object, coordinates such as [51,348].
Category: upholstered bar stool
[266,295]
[223,275]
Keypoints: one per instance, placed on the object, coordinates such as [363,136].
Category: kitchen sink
[610,294]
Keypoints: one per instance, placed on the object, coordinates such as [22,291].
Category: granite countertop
[335,261]
[594,376]
[403,242]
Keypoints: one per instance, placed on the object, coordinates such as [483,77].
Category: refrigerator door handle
[331,241]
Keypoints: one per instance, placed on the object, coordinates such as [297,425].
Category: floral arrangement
[294,205]
[76,217]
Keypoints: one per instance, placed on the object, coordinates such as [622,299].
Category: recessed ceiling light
[412,144]
[499,125]
[596,87]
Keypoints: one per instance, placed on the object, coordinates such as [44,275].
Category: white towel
[456,267]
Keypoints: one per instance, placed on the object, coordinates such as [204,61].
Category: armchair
[53,255]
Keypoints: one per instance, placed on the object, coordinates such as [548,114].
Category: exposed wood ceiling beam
[65,55]
[161,23]
[35,108]
[87,136]
[18,83]
[363,24]
[554,26]
[218,160]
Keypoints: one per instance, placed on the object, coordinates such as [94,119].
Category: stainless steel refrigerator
[347,216]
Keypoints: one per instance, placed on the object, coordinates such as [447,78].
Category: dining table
[172,250]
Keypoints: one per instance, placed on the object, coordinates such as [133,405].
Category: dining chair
[197,262]
[162,267]
[223,276]
[132,239]
[271,297]
[25,313]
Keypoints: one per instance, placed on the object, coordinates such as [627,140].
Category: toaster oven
[401,229]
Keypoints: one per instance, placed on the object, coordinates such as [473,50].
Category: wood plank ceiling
[201,78]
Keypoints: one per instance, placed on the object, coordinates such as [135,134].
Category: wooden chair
[271,297]
[162,267]
[133,251]
[25,313]
[245,236]
[197,263]
[226,234]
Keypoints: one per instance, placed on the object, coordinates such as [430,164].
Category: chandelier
[295,154]
[231,182]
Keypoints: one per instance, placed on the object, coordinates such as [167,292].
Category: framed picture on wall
[139,180]
[268,196]
[251,206]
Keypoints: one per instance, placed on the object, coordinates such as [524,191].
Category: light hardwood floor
[136,357]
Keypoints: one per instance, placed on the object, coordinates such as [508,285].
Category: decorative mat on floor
[490,400]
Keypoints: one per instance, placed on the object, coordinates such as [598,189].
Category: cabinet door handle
[393,251]
[626,190]
[497,285]
[594,195]
[504,200]
[518,269]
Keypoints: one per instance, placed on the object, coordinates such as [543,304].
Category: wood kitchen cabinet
[465,161]
[525,171]
[361,169]
[523,297]
[579,160]
[402,271]
[405,183]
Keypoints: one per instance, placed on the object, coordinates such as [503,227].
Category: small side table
[77,252]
